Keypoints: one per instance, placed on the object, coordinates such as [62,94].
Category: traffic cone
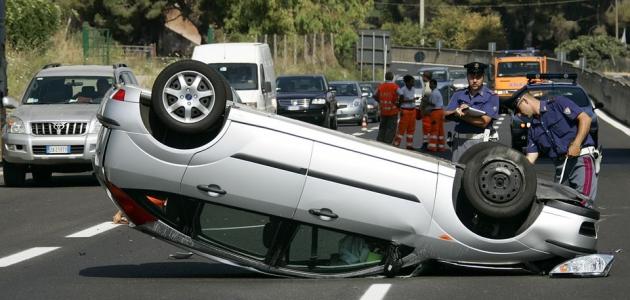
[364,124]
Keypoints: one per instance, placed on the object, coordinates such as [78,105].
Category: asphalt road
[117,262]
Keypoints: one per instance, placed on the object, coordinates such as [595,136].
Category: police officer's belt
[470,136]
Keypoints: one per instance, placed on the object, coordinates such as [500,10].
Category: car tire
[41,174]
[498,181]
[326,123]
[14,174]
[195,99]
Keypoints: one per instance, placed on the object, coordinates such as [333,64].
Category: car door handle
[212,189]
[325,214]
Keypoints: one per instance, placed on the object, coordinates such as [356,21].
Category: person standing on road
[407,124]
[560,129]
[436,105]
[426,114]
[387,97]
[472,129]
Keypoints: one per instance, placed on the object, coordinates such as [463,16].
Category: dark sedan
[307,98]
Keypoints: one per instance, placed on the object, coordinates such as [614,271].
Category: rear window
[576,94]
[300,84]
[67,90]
[240,76]
[517,69]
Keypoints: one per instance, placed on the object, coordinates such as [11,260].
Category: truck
[511,69]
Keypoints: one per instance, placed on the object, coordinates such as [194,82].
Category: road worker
[407,124]
[436,108]
[387,97]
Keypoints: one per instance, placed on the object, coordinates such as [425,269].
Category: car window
[323,250]
[238,230]
[345,89]
[576,94]
[516,69]
[240,76]
[67,90]
[300,84]
[458,74]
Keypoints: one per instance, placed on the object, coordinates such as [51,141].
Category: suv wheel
[14,174]
[41,174]
[189,97]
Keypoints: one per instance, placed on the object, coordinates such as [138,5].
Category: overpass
[611,92]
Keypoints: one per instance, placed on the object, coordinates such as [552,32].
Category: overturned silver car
[190,165]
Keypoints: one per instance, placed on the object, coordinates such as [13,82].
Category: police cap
[475,67]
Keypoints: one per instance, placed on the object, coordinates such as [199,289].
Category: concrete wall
[614,94]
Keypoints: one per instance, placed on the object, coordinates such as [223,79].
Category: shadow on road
[60,181]
[170,270]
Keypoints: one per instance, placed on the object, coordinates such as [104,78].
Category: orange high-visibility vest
[388,97]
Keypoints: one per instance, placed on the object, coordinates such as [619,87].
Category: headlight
[356,102]
[96,126]
[594,265]
[370,106]
[459,85]
[318,101]
[16,125]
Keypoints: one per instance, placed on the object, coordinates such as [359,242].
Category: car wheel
[188,97]
[14,174]
[327,121]
[499,182]
[41,174]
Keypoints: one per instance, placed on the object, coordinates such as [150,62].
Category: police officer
[472,128]
[560,129]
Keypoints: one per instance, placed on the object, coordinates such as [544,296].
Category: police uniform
[552,133]
[466,135]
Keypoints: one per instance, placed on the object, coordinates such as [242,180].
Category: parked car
[353,106]
[458,78]
[373,108]
[440,74]
[549,85]
[284,197]
[54,127]
[307,98]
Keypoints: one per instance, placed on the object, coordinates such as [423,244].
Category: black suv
[549,85]
[307,98]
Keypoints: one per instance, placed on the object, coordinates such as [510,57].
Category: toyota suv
[54,127]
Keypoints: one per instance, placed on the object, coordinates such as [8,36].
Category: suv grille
[294,102]
[74,149]
[59,128]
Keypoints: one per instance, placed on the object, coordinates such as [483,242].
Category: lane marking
[24,255]
[376,291]
[498,122]
[94,230]
[612,122]
[358,133]
[495,127]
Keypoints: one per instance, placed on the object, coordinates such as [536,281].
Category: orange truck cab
[510,72]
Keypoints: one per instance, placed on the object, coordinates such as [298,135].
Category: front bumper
[350,113]
[310,114]
[31,149]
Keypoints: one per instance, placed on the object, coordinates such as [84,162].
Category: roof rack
[120,65]
[53,65]
[532,77]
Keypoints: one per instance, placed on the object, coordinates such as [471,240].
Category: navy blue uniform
[552,132]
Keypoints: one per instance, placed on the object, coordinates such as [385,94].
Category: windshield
[517,69]
[240,76]
[439,75]
[458,74]
[345,89]
[576,94]
[67,90]
[300,84]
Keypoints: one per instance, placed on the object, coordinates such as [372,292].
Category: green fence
[97,45]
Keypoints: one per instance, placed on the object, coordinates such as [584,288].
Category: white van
[248,67]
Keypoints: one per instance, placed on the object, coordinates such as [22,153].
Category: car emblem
[58,126]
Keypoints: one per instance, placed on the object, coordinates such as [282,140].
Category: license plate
[294,107]
[57,149]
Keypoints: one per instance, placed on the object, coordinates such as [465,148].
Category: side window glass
[322,250]
[239,230]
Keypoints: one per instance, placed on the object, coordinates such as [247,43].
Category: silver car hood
[346,99]
[56,112]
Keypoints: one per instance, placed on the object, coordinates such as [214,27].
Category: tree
[597,49]
[30,23]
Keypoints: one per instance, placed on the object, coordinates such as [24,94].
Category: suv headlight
[356,102]
[318,101]
[16,125]
[96,126]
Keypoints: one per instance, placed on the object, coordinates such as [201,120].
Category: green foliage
[595,48]
[406,33]
[30,23]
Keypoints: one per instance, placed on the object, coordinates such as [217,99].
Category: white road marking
[358,133]
[94,230]
[495,127]
[602,115]
[232,228]
[376,292]
[24,255]
[498,122]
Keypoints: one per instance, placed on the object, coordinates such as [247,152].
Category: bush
[597,49]
[31,23]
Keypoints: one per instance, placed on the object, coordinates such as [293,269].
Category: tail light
[136,213]
[119,95]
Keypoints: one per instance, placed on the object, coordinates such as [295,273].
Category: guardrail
[613,93]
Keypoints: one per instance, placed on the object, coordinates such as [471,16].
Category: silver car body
[352,105]
[282,167]
[66,125]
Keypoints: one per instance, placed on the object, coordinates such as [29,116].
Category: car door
[355,192]
[252,168]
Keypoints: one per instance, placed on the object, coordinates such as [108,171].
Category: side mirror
[267,87]
[10,102]
[599,105]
